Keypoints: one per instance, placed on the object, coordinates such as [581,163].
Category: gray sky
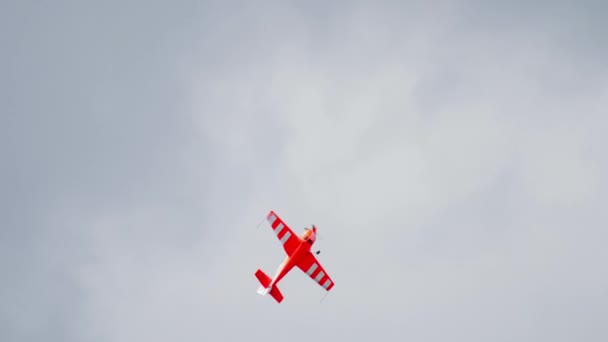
[451,154]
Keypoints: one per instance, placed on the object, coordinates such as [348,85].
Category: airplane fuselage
[292,260]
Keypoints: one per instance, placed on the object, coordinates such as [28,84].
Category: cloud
[450,156]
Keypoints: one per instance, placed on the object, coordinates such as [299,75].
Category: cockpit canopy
[310,235]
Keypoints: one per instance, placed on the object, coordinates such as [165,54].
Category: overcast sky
[452,155]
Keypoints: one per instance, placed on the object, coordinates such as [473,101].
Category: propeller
[315,229]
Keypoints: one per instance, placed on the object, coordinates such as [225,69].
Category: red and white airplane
[298,255]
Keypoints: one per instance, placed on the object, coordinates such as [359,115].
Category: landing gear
[317,252]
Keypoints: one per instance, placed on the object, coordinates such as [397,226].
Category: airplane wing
[286,236]
[312,267]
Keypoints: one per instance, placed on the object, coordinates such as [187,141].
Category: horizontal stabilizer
[263,278]
[276,294]
[265,289]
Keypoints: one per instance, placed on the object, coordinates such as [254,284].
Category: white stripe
[326,284]
[312,268]
[271,219]
[285,237]
[278,229]
[319,276]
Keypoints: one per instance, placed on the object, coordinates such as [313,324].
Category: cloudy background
[451,154]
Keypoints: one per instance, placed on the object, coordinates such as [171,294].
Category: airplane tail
[265,289]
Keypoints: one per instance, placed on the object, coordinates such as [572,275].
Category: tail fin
[265,289]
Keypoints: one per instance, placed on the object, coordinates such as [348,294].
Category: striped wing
[312,267]
[286,236]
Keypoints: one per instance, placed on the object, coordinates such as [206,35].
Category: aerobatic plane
[299,254]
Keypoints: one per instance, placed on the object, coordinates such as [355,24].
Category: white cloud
[556,170]
[429,164]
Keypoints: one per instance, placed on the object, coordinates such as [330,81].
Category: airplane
[298,250]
